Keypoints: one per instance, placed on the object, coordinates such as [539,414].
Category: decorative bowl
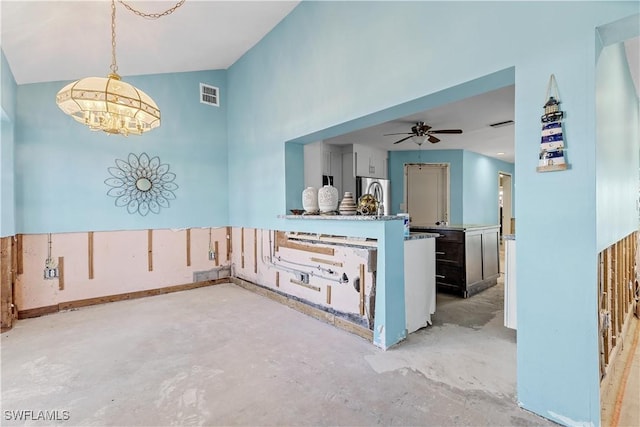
[367,205]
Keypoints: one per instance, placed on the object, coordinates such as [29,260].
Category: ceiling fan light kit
[110,104]
[421,133]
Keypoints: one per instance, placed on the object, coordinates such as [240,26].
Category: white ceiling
[68,40]
[472,115]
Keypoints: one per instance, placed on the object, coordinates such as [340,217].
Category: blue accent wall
[454,158]
[61,165]
[473,182]
[480,188]
[618,145]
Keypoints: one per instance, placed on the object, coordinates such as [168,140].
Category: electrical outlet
[304,278]
[51,272]
[212,256]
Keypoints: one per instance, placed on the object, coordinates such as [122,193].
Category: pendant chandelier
[110,104]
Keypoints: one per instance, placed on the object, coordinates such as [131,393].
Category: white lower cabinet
[419,282]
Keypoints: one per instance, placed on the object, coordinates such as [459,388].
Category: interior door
[427,193]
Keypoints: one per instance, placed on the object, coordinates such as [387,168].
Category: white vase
[328,199]
[310,200]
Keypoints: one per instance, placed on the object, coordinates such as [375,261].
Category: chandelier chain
[114,66]
[153,15]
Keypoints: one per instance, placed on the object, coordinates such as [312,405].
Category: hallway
[222,355]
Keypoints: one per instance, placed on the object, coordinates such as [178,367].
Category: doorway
[505,204]
[426,193]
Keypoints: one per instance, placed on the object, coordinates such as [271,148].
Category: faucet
[375,189]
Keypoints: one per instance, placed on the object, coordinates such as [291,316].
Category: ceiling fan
[421,133]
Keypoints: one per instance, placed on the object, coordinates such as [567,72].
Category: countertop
[415,235]
[455,227]
[345,217]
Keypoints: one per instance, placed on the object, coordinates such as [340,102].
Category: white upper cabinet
[322,159]
[370,161]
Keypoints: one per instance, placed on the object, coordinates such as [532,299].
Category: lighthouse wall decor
[552,151]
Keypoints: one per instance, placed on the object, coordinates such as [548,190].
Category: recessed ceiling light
[500,154]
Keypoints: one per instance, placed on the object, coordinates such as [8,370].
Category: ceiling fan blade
[446,131]
[403,139]
[433,139]
[402,133]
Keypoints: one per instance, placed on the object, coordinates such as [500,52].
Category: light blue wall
[7,148]
[473,182]
[454,158]
[61,165]
[618,145]
[330,63]
[480,188]
[9,88]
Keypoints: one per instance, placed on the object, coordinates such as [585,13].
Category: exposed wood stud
[242,247]
[276,241]
[327,261]
[20,263]
[362,283]
[6,294]
[14,279]
[306,285]
[255,250]
[90,255]
[61,273]
[188,247]
[277,279]
[229,246]
[215,251]
[150,249]
[14,269]
[329,294]
[616,280]
[307,248]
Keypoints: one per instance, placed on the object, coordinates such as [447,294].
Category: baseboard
[37,312]
[301,306]
[307,309]
[68,305]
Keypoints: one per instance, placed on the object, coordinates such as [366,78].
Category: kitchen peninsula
[467,257]
[346,270]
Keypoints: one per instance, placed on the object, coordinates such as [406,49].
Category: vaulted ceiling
[67,40]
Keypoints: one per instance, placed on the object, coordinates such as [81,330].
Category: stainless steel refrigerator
[379,188]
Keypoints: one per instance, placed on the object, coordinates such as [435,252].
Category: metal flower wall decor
[142,184]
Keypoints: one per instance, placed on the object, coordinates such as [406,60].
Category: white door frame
[447,184]
[506,228]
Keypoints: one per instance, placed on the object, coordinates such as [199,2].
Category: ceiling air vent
[501,124]
[209,95]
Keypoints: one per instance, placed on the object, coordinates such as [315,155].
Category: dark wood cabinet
[467,258]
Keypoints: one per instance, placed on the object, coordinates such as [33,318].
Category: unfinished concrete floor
[222,355]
